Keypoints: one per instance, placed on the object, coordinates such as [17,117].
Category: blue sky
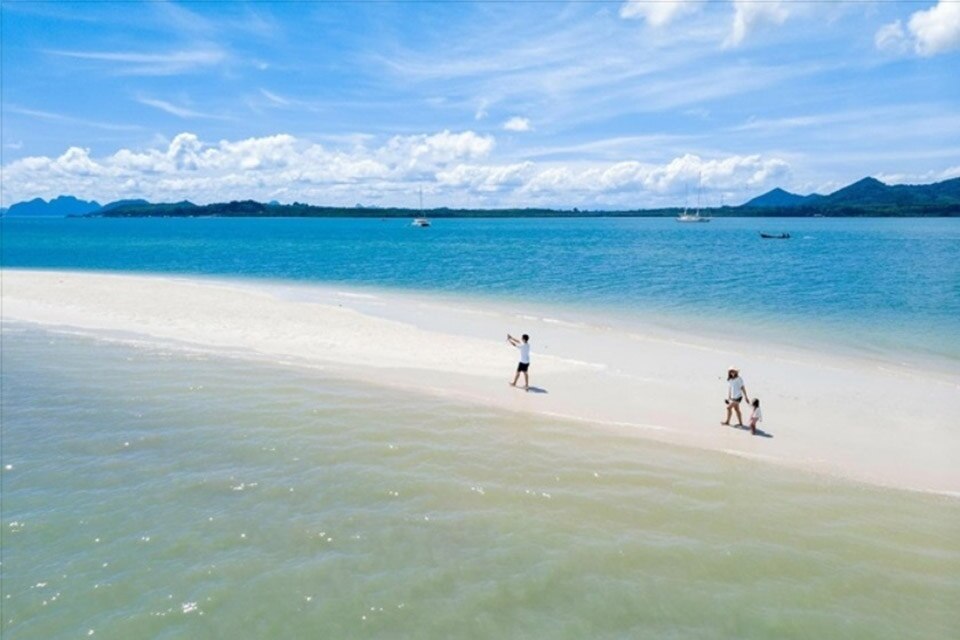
[589,104]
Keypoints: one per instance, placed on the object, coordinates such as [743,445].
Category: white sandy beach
[840,415]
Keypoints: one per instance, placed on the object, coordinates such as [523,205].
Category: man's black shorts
[523,366]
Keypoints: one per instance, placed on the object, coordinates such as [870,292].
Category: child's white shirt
[757,414]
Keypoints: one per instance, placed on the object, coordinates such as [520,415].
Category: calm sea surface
[149,494]
[878,285]
[160,494]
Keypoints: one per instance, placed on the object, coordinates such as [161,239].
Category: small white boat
[422,220]
[693,217]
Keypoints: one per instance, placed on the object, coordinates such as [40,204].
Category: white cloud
[925,177]
[455,166]
[749,14]
[937,29]
[659,13]
[486,178]
[931,31]
[516,123]
[724,173]
[439,148]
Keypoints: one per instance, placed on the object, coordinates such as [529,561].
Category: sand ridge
[839,415]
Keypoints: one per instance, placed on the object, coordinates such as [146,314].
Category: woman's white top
[736,387]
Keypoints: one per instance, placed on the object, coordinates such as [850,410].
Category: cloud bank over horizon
[455,167]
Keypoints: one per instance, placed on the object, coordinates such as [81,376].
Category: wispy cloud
[869,126]
[613,148]
[274,98]
[59,117]
[556,68]
[660,12]
[177,110]
[181,19]
[150,64]
[237,17]
[749,15]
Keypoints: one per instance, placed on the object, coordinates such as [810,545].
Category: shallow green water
[150,494]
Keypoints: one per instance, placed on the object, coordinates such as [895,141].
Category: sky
[593,104]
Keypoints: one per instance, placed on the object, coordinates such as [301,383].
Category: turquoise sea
[876,284]
[153,493]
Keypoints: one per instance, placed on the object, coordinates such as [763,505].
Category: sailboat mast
[699,176]
[421,202]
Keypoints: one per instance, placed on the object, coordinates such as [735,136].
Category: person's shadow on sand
[537,390]
[760,432]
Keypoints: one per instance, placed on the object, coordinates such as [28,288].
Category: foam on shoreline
[841,415]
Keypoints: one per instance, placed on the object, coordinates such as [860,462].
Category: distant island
[865,198]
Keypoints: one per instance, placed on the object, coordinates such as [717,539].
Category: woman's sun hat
[732,368]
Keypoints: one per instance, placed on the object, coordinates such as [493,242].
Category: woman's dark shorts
[523,366]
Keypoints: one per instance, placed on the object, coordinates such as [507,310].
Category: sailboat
[421,221]
[694,217]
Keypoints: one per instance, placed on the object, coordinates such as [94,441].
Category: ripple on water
[420,519]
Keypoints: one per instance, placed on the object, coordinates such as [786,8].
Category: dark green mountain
[871,191]
[139,202]
[866,191]
[866,197]
[60,206]
[780,198]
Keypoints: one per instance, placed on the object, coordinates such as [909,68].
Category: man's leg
[515,378]
[526,380]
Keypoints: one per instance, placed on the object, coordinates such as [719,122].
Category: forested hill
[868,194]
[866,197]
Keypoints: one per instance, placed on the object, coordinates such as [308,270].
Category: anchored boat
[422,220]
[694,217]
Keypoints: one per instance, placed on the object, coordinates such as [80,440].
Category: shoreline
[839,415]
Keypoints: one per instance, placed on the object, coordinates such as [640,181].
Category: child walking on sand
[756,416]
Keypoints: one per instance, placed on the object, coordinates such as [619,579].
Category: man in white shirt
[523,344]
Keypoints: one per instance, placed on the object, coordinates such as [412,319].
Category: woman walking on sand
[736,392]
